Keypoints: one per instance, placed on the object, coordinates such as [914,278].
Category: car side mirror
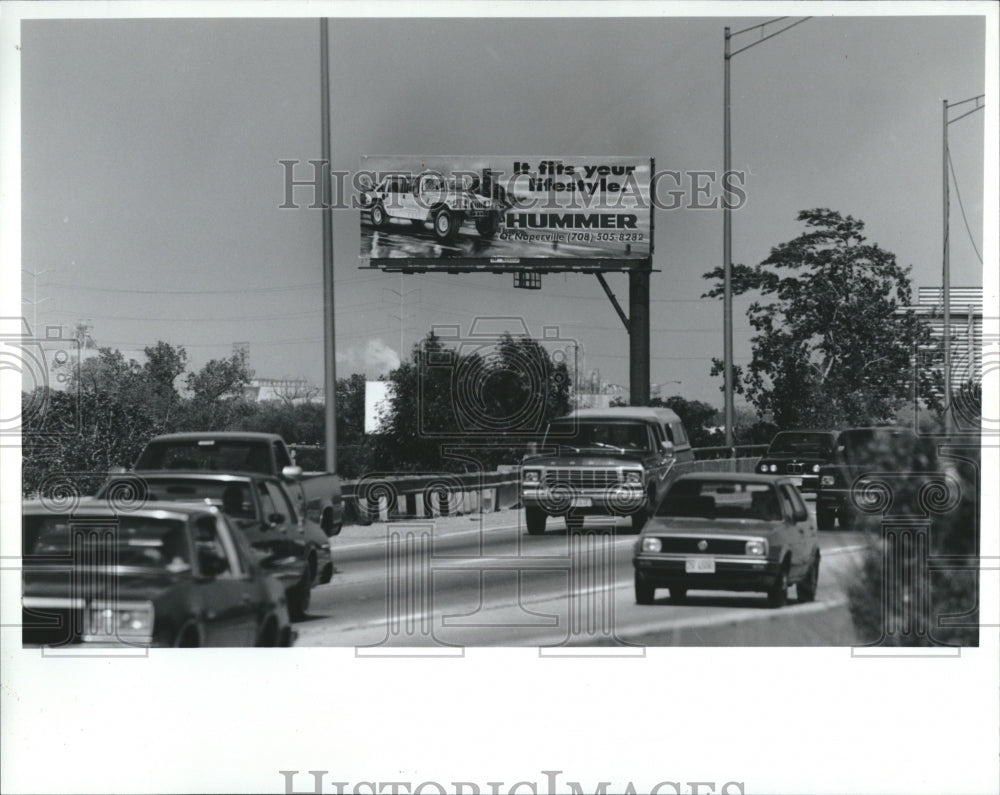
[668,448]
[800,515]
[275,518]
[211,563]
[291,472]
[532,448]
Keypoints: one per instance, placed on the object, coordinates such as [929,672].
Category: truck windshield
[213,455]
[583,435]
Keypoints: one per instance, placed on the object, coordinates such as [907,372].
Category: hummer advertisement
[500,213]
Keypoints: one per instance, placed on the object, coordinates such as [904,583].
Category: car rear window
[135,541]
[803,443]
[212,455]
[233,497]
[706,499]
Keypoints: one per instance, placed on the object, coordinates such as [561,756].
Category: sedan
[730,532]
[292,548]
[177,575]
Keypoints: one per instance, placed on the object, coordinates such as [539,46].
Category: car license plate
[796,481]
[699,565]
[582,502]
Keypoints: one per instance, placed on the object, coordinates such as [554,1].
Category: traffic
[220,539]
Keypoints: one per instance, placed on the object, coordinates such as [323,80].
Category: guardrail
[391,496]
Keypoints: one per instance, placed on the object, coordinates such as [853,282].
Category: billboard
[507,213]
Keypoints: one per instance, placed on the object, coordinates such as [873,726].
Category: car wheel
[446,224]
[488,226]
[535,519]
[379,216]
[825,518]
[806,590]
[778,595]
[678,594]
[299,598]
[268,634]
[644,590]
[574,523]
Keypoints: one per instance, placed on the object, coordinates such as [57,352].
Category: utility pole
[329,326]
[949,420]
[727,223]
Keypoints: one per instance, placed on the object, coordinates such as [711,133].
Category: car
[287,545]
[732,532]
[603,462]
[880,467]
[170,575]
[430,197]
[799,455]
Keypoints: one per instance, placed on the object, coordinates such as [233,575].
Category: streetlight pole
[329,326]
[946,257]
[727,223]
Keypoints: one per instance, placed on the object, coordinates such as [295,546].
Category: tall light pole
[727,222]
[946,258]
[34,296]
[329,326]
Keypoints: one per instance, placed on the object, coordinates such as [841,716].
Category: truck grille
[581,478]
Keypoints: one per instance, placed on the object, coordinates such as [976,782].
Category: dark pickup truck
[317,494]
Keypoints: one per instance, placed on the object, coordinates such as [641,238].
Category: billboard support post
[329,326]
[638,336]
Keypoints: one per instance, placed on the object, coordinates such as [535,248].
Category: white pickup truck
[317,494]
[431,198]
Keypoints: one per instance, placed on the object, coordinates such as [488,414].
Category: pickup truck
[317,494]
[609,462]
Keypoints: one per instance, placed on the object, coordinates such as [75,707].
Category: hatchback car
[730,532]
[177,575]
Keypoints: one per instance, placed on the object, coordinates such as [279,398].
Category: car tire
[446,224]
[825,518]
[574,524]
[299,597]
[645,591]
[535,519]
[488,226]
[380,218]
[678,594]
[805,591]
[777,596]
[268,634]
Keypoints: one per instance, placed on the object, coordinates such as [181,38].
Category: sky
[151,181]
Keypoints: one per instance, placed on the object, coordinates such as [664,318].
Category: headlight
[763,467]
[633,478]
[774,467]
[531,475]
[757,548]
[651,545]
[815,468]
[827,480]
[133,623]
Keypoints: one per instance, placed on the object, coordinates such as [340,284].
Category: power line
[961,206]
[289,288]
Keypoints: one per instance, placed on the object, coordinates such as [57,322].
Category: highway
[435,586]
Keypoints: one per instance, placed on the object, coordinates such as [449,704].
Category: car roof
[806,430]
[190,474]
[625,413]
[182,511]
[225,435]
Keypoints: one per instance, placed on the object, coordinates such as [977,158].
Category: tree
[834,338]
[218,401]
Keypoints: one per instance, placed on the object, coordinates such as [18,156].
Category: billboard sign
[506,213]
